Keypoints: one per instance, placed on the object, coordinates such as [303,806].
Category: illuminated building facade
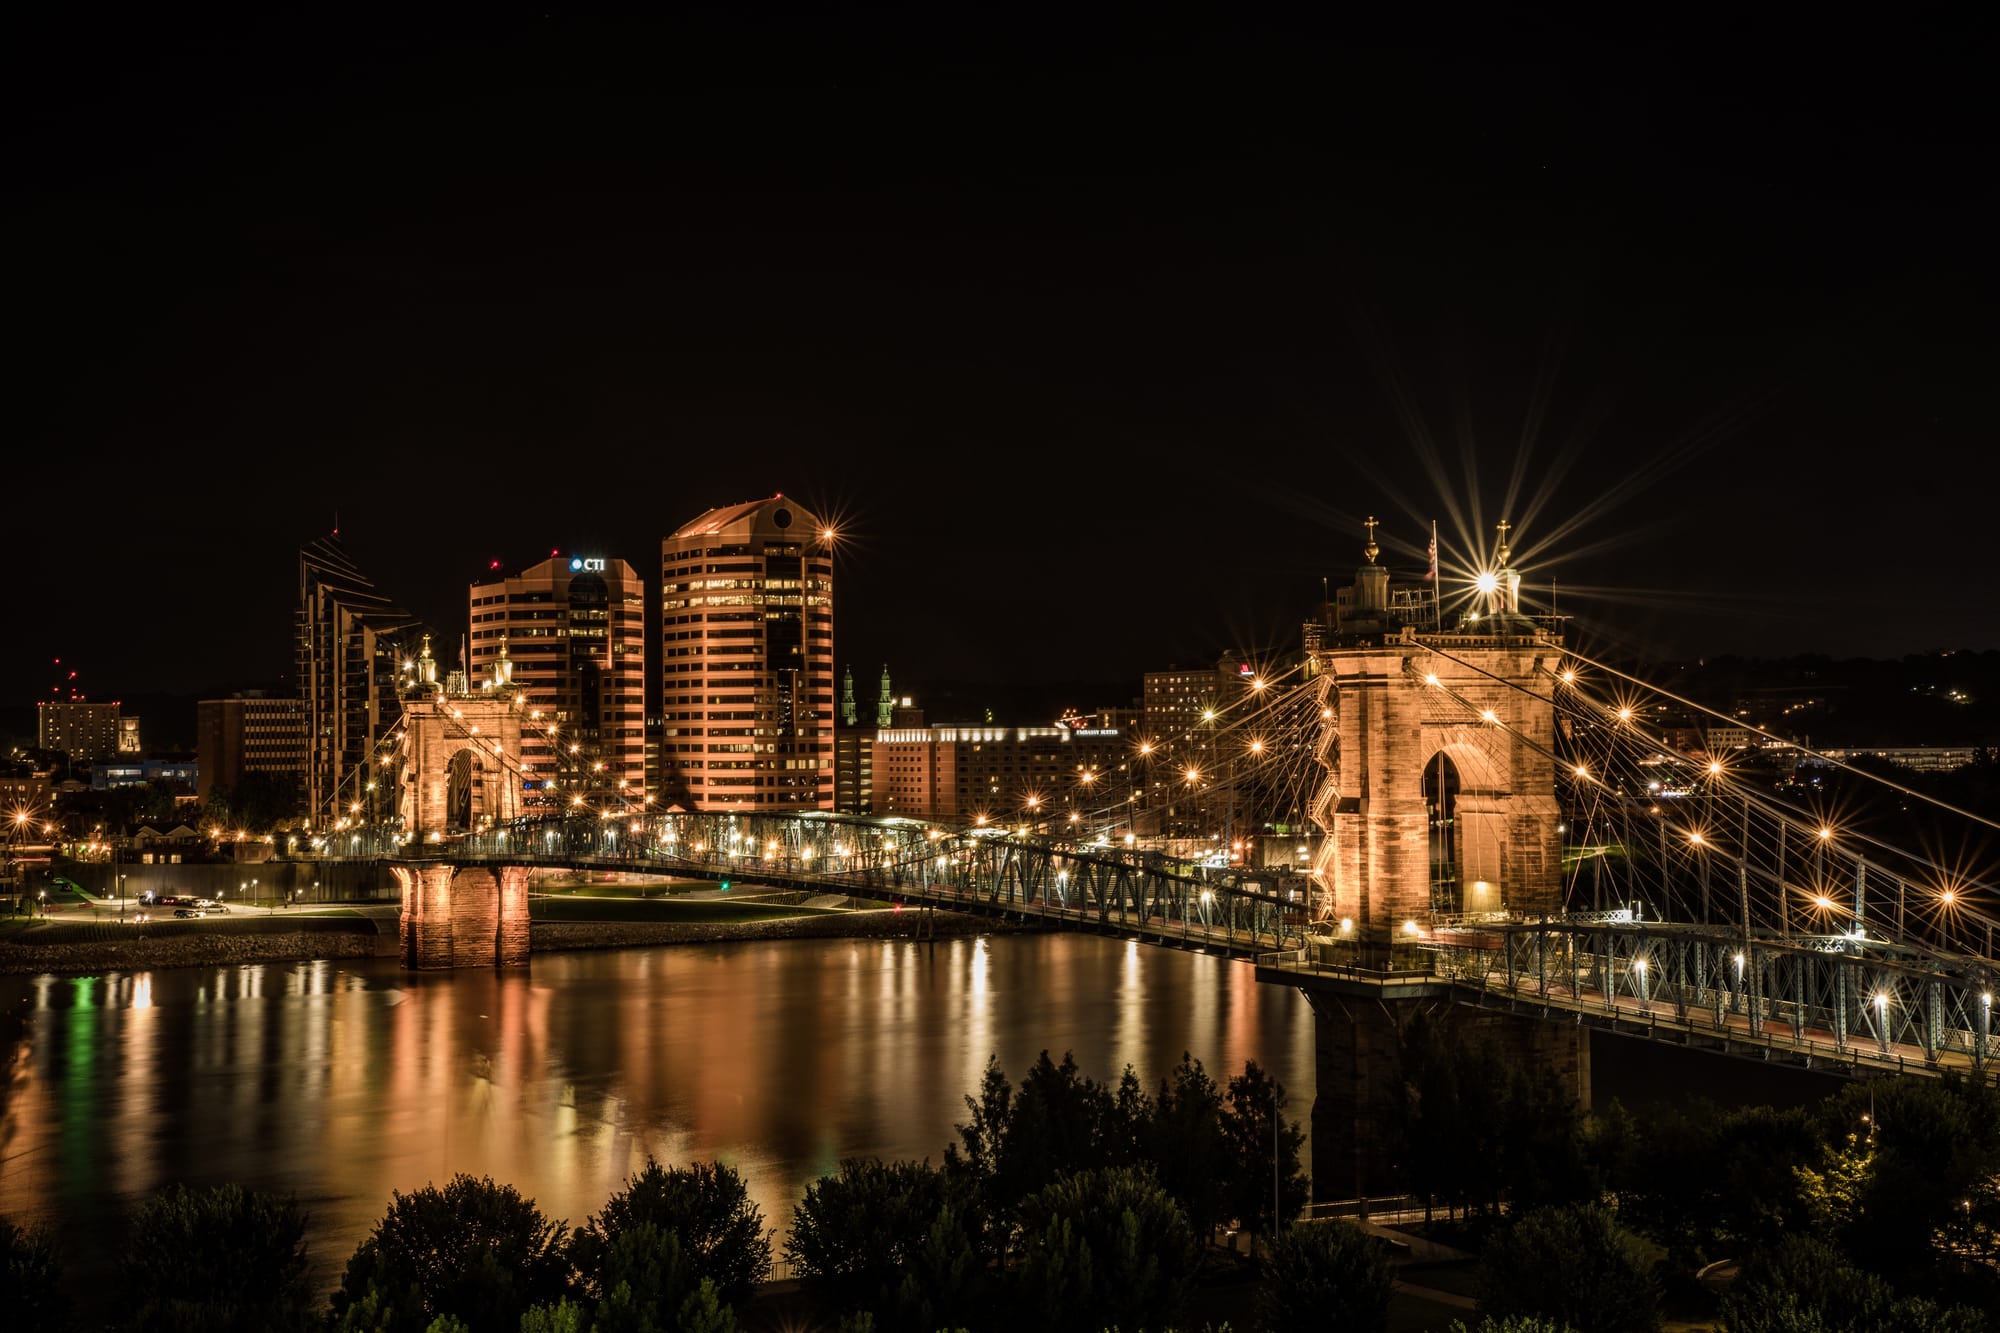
[574,629]
[249,733]
[746,660]
[351,643]
[82,731]
[1002,775]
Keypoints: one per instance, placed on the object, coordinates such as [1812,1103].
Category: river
[340,1083]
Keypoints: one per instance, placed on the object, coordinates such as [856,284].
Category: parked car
[189,911]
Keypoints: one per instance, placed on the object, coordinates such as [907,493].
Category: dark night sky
[1100,336]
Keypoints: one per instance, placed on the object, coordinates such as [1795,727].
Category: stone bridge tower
[462,771]
[1438,805]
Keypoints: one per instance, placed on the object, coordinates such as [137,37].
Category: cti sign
[586,564]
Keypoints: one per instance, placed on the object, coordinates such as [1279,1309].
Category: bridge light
[1582,772]
[1695,838]
[1825,833]
[1947,897]
[1624,715]
[1881,999]
[1346,925]
[1208,715]
[1431,679]
[1257,683]
[1569,677]
[1823,902]
[1639,965]
[1490,716]
[1194,775]
[725,886]
[1409,927]
[1714,766]
[1487,582]
[1206,897]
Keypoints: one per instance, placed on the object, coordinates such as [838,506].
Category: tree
[1429,1114]
[1573,1263]
[31,1279]
[1058,1122]
[217,1260]
[642,1273]
[1184,1142]
[1925,1146]
[1326,1277]
[1105,1248]
[1253,1130]
[897,1239]
[1543,1156]
[722,1234]
[474,1250]
[1803,1285]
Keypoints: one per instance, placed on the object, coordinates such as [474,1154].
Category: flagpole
[1437,611]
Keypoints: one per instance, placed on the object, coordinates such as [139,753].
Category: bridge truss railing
[1090,885]
[1827,996]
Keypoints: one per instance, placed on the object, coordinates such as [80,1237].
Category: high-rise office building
[249,733]
[1038,776]
[746,660]
[80,731]
[574,628]
[351,642]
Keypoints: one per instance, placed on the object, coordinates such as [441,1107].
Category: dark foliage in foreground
[220,1260]
[31,1279]
[475,1251]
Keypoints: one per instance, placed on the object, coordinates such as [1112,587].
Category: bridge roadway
[1849,1004]
[1834,1004]
[1098,887]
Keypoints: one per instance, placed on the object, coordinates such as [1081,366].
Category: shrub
[1326,1277]
[474,1250]
[218,1260]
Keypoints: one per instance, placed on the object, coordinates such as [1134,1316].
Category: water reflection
[341,1083]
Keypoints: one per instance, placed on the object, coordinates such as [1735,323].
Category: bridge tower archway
[462,770]
[1438,802]
[1437,743]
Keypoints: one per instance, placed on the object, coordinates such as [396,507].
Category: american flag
[1430,575]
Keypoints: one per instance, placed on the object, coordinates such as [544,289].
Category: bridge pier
[463,916]
[1358,1064]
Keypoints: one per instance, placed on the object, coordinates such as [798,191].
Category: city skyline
[1108,342]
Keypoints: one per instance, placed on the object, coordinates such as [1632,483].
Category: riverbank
[370,932]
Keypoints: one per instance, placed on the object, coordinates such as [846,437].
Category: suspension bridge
[1485,818]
